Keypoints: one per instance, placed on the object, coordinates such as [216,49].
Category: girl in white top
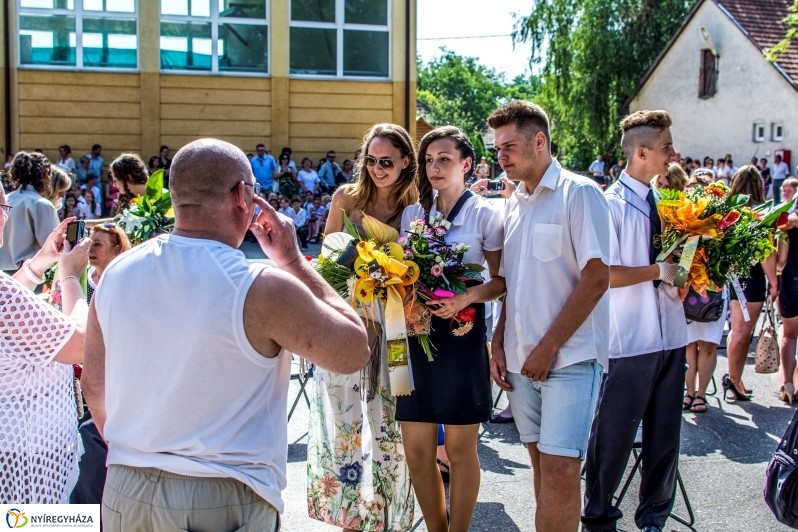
[308,178]
[65,162]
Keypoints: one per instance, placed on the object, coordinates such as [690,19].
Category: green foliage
[459,91]
[595,52]
[791,20]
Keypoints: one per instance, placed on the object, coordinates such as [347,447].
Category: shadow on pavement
[492,516]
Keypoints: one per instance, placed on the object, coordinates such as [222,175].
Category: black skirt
[754,287]
[454,388]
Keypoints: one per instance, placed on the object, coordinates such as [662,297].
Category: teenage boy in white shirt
[647,342]
[550,342]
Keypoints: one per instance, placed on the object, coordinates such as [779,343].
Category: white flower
[446,224]
[350,286]
[131,222]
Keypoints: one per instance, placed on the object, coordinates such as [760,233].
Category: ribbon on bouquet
[384,277]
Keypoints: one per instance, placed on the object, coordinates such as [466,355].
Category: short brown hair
[642,128]
[527,116]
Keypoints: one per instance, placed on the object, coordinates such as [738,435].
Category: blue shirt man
[264,168]
[328,172]
[96,161]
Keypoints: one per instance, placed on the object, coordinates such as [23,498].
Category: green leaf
[350,228]
[737,201]
[154,185]
[770,219]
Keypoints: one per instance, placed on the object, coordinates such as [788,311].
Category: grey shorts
[144,499]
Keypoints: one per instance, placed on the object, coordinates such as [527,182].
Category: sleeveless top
[185,390]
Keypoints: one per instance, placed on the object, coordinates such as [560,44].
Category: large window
[215,35]
[340,38]
[78,33]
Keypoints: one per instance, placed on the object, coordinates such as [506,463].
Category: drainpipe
[7,78]
[408,21]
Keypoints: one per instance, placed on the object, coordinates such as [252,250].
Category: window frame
[773,127]
[340,28]
[214,19]
[759,131]
[707,74]
[79,14]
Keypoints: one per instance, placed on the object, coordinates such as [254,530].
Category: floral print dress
[357,473]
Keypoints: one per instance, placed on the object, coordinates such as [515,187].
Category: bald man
[188,355]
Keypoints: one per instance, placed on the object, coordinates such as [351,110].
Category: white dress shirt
[549,237]
[643,319]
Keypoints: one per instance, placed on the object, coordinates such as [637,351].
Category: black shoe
[651,528]
[728,386]
[498,418]
[443,467]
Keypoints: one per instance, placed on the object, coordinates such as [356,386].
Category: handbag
[766,359]
[781,477]
[703,308]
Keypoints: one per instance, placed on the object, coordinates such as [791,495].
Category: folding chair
[688,521]
[303,373]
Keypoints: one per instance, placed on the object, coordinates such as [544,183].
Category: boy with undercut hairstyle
[647,341]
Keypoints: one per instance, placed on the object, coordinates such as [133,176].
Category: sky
[473,28]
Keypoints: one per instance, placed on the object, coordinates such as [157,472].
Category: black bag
[703,308]
[781,478]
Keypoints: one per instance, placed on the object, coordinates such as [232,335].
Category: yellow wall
[139,111]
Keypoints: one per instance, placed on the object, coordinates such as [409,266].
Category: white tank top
[185,390]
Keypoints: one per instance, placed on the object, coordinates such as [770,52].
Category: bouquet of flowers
[150,214]
[715,235]
[369,270]
[442,274]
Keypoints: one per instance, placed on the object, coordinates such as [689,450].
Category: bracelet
[29,273]
[75,277]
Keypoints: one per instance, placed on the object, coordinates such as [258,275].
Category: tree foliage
[461,92]
[594,54]
[791,20]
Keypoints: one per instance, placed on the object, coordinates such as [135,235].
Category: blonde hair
[59,182]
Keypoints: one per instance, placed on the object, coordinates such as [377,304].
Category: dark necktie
[656,229]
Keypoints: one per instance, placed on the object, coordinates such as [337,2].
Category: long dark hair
[464,147]
[128,168]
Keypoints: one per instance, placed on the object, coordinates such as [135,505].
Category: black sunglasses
[6,208]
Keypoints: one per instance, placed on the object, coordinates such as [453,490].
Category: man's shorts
[557,413]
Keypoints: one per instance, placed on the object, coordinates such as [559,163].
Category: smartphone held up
[75,232]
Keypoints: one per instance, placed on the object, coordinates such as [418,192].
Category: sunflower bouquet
[371,270]
[715,235]
[442,274]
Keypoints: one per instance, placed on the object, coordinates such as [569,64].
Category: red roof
[762,22]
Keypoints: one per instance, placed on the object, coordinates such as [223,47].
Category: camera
[74,232]
[495,185]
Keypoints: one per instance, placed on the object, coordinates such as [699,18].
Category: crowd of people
[213,370]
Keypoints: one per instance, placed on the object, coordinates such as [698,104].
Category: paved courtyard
[723,459]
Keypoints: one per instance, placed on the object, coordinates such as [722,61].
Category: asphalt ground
[724,454]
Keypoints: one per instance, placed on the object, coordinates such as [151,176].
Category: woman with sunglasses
[38,345]
[454,389]
[355,412]
[286,174]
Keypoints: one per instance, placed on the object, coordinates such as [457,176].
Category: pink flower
[440,293]
[436,270]
[440,231]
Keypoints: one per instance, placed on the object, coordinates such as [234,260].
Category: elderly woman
[38,345]
[107,242]
[33,217]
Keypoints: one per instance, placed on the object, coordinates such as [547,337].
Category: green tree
[594,54]
[459,91]
[791,20]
